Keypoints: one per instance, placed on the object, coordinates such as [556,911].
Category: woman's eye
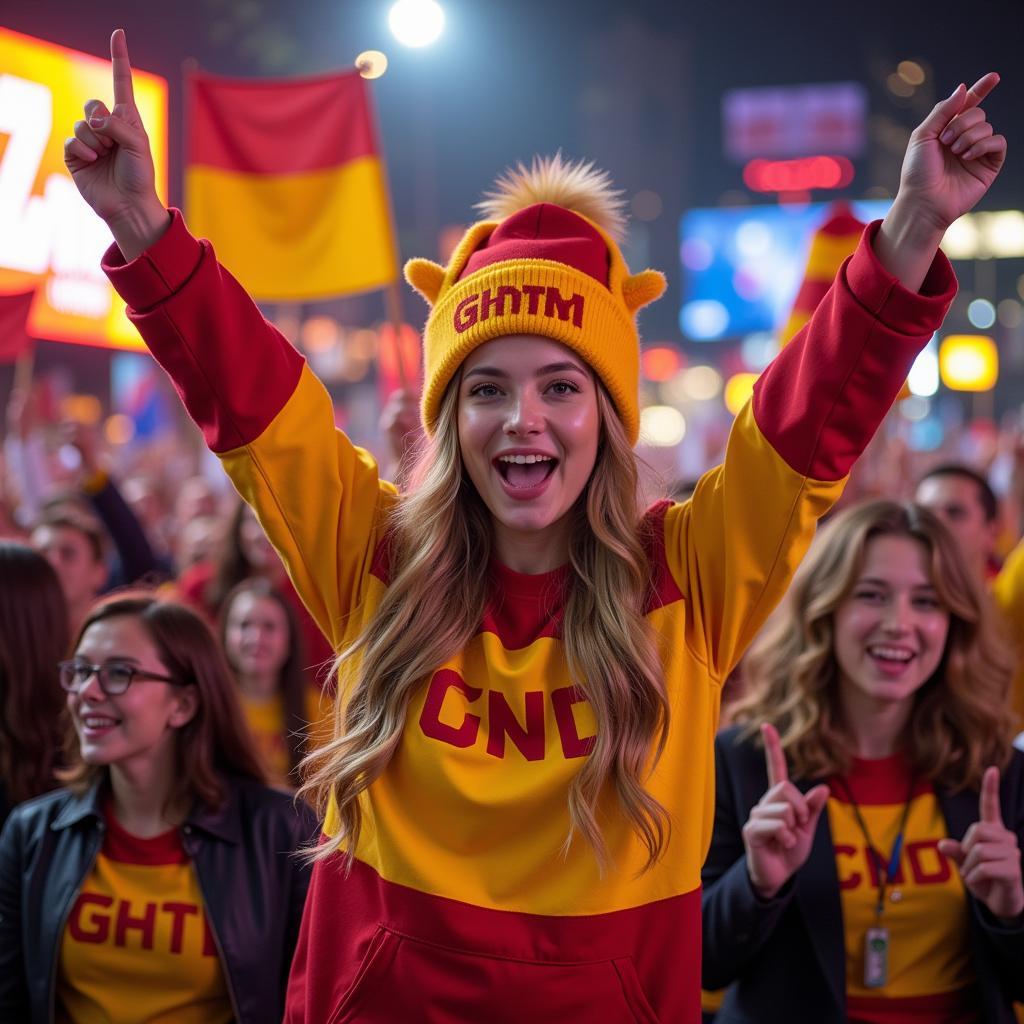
[120,673]
[872,596]
[931,603]
[484,391]
[564,387]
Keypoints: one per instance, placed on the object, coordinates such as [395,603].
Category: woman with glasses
[160,883]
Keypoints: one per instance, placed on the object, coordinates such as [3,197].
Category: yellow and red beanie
[547,262]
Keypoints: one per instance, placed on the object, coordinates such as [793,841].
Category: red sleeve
[823,397]
[204,346]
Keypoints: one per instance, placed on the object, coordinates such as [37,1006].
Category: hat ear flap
[426,277]
[640,289]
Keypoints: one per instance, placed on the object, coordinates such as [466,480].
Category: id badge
[876,957]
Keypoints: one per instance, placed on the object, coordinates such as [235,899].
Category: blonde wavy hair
[440,533]
[959,723]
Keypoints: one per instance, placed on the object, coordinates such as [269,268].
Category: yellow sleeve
[318,498]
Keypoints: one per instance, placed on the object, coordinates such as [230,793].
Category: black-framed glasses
[114,676]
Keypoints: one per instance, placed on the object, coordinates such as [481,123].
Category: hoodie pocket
[373,968]
[407,979]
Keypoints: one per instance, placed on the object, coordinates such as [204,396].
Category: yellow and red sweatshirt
[461,905]
[931,975]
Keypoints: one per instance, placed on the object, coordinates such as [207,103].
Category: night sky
[510,79]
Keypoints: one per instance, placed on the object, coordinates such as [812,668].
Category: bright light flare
[416,23]
[371,63]
[969,362]
[661,426]
[738,389]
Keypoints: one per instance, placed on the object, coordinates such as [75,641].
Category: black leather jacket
[253,890]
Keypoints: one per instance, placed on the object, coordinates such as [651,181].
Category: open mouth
[525,472]
[94,724]
[891,660]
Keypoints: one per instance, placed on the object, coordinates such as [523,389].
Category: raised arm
[735,546]
[260,408]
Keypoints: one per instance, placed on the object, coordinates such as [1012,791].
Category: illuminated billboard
[49,238]
[742,265]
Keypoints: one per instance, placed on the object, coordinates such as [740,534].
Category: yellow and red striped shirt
[931,973]
[137,948]
[461,896]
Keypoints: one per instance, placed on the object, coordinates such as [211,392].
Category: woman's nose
[897,616]
[525,416]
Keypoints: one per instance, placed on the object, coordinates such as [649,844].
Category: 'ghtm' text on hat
[507,300]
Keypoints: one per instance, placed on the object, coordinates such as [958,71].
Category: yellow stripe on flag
[297,237]
[827,255]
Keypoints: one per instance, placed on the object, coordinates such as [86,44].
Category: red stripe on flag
[14,337]
[812,291]
[278,127]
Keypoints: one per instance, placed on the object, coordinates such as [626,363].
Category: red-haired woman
[520,782]
[160,883]
[34,636]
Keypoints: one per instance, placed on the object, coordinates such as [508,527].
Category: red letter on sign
[852,880]
[100,922]
[533,292]
[564,308]
[466,313]
[573,745]
[144,924]
[501,721]
[179,911]
[430,718]
[916,854]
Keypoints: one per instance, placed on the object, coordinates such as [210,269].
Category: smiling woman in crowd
[870,810]
[159,884]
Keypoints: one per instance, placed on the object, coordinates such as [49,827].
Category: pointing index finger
[989,800]
[123,92]
[981,88]
[775,759]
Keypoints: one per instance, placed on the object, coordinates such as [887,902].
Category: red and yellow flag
[285,177]
[830,245]
[14,337]
[836,239]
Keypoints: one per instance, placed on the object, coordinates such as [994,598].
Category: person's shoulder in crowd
[257,802]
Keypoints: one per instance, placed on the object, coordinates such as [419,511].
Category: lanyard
[884,878]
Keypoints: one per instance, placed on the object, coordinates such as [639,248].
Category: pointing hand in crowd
[951,161]
[989,856]
[953,156]
[111,163]
[779,832]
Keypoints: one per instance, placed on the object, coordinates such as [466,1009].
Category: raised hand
[953,156]
[780,830]
[951,161]
[989,856]
[400,422]
[111,163]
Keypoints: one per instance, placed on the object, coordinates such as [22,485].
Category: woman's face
[890,631]
[528,428]
[258,550]
[137,725]
[256,637]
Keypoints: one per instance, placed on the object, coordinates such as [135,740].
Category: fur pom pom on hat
[546,262]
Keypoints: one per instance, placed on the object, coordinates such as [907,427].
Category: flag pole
[189,67]
[393,303]
[24,369]
[393,289]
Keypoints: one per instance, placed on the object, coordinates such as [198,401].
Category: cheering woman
[870,810]
[518,796]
